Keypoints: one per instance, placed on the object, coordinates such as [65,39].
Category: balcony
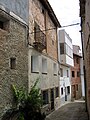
[40,40]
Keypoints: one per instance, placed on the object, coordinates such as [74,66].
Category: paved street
[70,111]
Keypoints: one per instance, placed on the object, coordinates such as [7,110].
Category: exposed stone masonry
[12,45]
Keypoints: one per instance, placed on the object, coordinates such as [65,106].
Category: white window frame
[35,64]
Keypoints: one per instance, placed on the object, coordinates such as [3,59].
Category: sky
[67,12]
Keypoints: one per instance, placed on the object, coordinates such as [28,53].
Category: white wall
[49,79]
[67,57]
[64,82]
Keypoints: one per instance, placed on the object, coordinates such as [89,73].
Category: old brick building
[75,74]
[43,55]
[85,34]
[13,49]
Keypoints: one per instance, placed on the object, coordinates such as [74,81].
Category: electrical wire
[55,28]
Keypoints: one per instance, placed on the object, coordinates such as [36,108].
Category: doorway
[52,98]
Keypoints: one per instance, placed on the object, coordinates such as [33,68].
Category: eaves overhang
[51,13]
[80,56]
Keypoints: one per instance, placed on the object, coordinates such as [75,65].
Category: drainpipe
[84,69]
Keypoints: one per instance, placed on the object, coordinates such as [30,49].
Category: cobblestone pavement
[70,111]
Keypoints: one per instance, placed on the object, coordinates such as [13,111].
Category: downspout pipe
[84,69]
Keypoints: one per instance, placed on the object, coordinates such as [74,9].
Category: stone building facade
[85,34]
[13,50]
[75,74]
[43,55]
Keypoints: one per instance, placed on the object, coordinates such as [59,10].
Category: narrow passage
[70,111]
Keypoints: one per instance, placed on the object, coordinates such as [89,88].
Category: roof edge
[51,13]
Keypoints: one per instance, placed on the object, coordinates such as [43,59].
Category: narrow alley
[71,111]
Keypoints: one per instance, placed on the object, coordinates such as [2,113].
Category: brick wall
[45,22]
[76,81]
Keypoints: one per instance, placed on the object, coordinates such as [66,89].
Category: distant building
[65,57]
[43,55]
[75,74]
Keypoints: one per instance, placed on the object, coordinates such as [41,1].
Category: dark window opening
[61,91]
[1,24]
[76,87]
[61,72]
[68,89]
[73,74]
[43,10]
[12,63]
[77,60]
[78,74]
[67,73]
[57,91]
[62,48]
[45,97]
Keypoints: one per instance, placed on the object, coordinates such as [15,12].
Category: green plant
[29,104]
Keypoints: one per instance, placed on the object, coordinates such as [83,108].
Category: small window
[44,66]
[62,48]
[12,63]
[77,87]
[57,91]
[55,69]
[78,74]
[73,74]
[61,72]
[68,89]
[1,24]
[34,64]
[62,91]
[45,97]
[77,60]
[4,24]
[43,10]
[67,73]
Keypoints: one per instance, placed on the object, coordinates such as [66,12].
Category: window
[77,60]
[67,73]
[62,91]
[61,48]
[43,10]
[12,63]
[78,74]
[57,91]
[1,24]
[61,72]
[68,89]
[55,69]
[45,97]
[44,65]
[73,74]
[77,87]
[4,24]
[34,64]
